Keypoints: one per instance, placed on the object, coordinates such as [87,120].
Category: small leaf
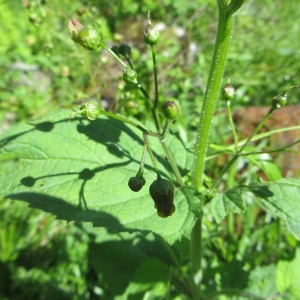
[231,200]
[281,199]
[195,200]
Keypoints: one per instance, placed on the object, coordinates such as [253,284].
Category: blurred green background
[41,69]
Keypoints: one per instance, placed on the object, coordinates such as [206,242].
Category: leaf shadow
[107,131]
[84,175]
[43,127]
[68,212]
[261,191]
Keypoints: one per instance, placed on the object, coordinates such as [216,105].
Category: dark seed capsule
[125,50]
[162,192]
[136,183]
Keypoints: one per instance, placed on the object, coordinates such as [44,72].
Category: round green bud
[130,76]
[162,192]
[136,183]
[228,92]
[170,109]
[87,38]
[151,35]
[279,101]
[90,110]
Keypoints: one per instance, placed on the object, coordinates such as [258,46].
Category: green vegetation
[218,230]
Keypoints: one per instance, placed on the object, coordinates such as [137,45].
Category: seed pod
[136,183]
[89,110]
[130,76]
[170,109]
[279,101]
[151,35]
[162,192]
[228,92]
[87,38]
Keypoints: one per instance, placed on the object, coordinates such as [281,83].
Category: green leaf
[281,199]
[79,171]
[262,281]
[195,200]
[231,200]
[151,277]
[266,164]
[118,259]
[287,276]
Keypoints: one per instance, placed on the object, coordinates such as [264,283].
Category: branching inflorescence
[161,190]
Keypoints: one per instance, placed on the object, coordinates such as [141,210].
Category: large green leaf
[79,171]
[281,199]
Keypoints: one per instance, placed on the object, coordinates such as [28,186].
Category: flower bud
[279,101]
[170,109]
[151,35]
[136,183]
[228,92]
[162,192]
[130,76]
[87,38]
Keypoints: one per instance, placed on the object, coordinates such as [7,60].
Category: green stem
[141,170]
[196,254]
[151,153]
[155,76]
[282,149]
[232,125]
[114,55]
[167,123]
[125,120]
[172,163]
[224,31]
[151,107]
[235,157]
[158,128]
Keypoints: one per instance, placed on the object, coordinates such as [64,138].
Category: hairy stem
[224,31]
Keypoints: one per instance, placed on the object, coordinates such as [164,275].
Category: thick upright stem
[196,254]
[224,30]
